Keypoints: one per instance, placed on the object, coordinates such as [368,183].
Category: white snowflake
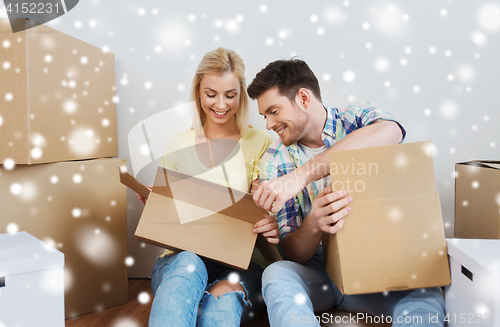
[449,109]
[233,278]
[76,212]
[488,17]
[144,298]
[334,15]
[349,76]
[382,64]
[9,163]
[479,38]
[129,261]
[300,298]
[12,228]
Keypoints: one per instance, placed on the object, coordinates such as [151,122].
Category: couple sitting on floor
[293,175]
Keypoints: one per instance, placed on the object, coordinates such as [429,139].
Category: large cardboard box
[477,199]
[31,282]
[56,97]
[80,208]
[393,239]
[188,213]
[474,294]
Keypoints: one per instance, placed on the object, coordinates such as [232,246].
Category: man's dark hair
[288,75]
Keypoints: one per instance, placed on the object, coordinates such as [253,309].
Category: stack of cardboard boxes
[58,179]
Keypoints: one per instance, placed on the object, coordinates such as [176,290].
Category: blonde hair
[219,62]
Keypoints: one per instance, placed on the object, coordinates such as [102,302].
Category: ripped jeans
[180,284]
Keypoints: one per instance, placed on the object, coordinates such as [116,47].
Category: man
[294,186]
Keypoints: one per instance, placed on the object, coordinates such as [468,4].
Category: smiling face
[220,98]
[286,118]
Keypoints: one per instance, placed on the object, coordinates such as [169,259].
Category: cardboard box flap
[482,163]
[191,193]
[385,171]
[132,183]
[480,257]
[18,250]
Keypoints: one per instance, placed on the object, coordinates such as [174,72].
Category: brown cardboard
[224,235]
[56,99]
[129,181]
[477,199]
[393,239]
[80,208]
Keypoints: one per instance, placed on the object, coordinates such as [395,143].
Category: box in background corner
[79,207]
[57,98]
[477,199]
[393,239]
[474,294]
[31,282]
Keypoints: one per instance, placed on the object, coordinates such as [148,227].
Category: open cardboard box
[186,213]
[477,199]
[57,97]
[393,239]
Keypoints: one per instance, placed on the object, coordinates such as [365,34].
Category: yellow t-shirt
[240,167]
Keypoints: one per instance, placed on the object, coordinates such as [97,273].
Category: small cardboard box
[474,294]
[31,282]
[393,239]
[79,207]
[185,213]
[56,98]
[477,199]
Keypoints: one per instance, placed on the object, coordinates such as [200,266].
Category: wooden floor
[136,314]
[131,314]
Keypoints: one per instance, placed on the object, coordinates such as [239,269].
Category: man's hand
[272,194]
[269,229]
[328,209]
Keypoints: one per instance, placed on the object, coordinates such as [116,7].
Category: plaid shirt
[280,160]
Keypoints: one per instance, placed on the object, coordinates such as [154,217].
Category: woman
[189,291]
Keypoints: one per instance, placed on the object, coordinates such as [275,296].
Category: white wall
[450,96]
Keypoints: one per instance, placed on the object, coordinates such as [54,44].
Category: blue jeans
[180,283]
[293,292]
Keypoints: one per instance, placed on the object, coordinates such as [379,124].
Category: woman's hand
[269,229]
[143,200]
